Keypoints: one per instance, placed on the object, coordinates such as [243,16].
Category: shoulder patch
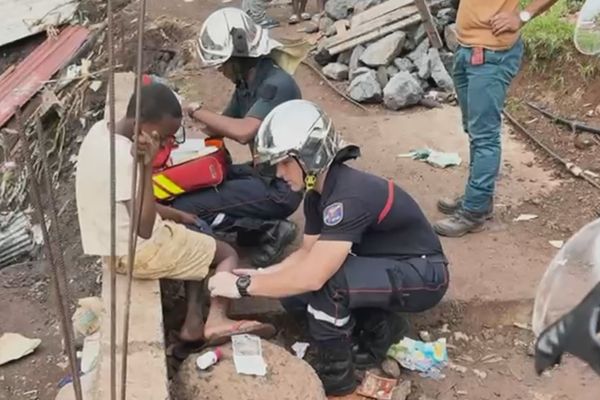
[267,92]
[333,214]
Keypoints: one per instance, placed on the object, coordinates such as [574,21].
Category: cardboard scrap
[14,346]
[376,387]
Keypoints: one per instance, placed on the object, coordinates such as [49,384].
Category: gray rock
[415,35]
[382,76]
[325,23]
[384,50]
[450,37]
[423,67]
[404,64]
[311,28]
[344,57]
[331,31]
[336,71]
[355,58]
[288,377]
[392,70]
[365,88]
[438,71]
[402,91]
[420,51]
[424,84]
[358,71]
[339,9]
[446,15]
[362,5]
[448,60]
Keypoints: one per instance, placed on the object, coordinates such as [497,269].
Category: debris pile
[286,377]
[393,51]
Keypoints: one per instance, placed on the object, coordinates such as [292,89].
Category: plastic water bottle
[208,359]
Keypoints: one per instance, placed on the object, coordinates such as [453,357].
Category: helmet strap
[310,180]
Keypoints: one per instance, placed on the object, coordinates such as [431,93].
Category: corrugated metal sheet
[16,237]
[22,18]
[19,84]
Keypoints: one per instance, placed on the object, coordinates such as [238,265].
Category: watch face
[244,281]
[525,16]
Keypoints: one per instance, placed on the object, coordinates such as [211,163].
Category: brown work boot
[460,223]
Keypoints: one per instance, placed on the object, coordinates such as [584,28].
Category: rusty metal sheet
[19,84]
[23,18]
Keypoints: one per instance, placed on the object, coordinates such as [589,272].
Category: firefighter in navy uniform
[368,251]
[252,203]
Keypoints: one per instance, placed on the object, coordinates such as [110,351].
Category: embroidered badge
[333,214]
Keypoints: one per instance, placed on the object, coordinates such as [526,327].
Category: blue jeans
[481,91]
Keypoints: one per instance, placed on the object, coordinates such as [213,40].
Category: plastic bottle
[209,358]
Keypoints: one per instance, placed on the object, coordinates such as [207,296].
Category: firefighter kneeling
[368,250]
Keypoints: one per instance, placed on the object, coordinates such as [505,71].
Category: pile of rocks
[398,69]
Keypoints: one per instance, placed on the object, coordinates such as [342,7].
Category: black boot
[273,243]
[379,330]
[335,367]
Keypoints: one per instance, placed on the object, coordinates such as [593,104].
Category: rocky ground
[494,273]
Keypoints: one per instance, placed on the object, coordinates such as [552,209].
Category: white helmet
[230,32]
[299,129]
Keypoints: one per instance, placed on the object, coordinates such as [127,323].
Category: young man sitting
[165,247]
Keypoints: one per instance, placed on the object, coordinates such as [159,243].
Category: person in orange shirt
[487,60]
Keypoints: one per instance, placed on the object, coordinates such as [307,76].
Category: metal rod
[332,86]
[54,255]
[137,203]
[572,168]
[113,203]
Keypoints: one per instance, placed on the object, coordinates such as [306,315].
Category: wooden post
[432,33]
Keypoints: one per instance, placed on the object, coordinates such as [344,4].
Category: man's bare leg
[193,327]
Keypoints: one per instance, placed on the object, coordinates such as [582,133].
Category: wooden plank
[432,33]
[378,11]
[341,26]
[371,26]
[375,34]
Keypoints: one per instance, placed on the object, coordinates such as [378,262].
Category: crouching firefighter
[252,203]
[368,251]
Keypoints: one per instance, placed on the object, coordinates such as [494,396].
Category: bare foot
[192,332]
[229,327]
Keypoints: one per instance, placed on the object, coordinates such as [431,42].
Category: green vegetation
[550,35]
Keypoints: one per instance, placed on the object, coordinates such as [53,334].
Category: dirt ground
[494,274]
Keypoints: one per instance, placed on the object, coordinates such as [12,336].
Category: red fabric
[388,204]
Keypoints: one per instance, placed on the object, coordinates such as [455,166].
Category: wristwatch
[242,283]
[525,16]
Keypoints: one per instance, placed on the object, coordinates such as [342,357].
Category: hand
[223,284]
[505,22]
[186,218]
[148,145]
[190,108]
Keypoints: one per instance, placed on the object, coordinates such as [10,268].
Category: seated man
[165,248]
[368,250]
[254,204]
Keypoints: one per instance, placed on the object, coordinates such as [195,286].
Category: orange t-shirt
[473,28]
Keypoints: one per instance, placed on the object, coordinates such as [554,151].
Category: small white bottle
[209,358]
